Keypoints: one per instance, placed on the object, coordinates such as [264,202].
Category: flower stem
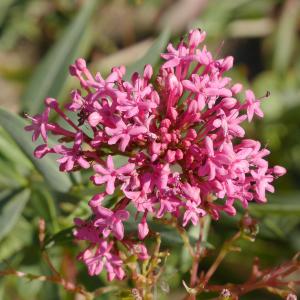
[226,248]
[199,249]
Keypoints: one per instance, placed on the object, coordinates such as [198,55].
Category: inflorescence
[180,132]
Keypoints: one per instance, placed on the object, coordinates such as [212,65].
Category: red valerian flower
[181,142]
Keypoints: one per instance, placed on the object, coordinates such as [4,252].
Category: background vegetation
[40,38]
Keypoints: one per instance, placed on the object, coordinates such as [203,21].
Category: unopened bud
[51,102]
[279,171]
[196,37]
[80,64]
[148,72]
[249,227]
[236,88]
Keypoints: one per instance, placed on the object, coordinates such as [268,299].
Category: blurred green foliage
[40,38]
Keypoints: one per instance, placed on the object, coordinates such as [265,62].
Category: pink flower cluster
[181,134]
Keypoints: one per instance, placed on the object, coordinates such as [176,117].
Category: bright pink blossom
[72,156]
[101,257]
[253,106]
[109,221]
[39,125]
[110,174]
[179,134]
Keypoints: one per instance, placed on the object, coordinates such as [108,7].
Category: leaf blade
[152,55]
[50,75]
[11,211]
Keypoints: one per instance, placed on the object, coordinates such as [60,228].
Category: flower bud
[143,229]
[73,70]
[51,102]
[94,119]
[279,171]
[229,102]
[41,150]
[227,63]
[148,72]
[179,154]
[191,134]
[249,227]
[80,64]
[236,88]
[166,123]
[173,113]
[96,200]
[170,156]
[196,37]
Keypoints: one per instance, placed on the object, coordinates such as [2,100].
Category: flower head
[180,143]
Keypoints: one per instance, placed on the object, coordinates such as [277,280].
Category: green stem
[226,248]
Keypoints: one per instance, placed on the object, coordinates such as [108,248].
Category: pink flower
[191,193]
[139,97]
[110,174]
[110,221]
[253,106]
[160,176]
[262,183]
[140,198]
[214,163]
[86,231]
[71,156]
[141,251]
[39,125]
[230,123]
[41,150]
[169,203]
[182,138]
[124,133]
[77,101]
[101,258]
[174,57]
[192,213]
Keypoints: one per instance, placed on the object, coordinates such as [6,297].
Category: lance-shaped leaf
[47,166]
[152,55]
[11,207]
[286,36]
[50,75]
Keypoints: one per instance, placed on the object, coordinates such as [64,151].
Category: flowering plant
[165,148]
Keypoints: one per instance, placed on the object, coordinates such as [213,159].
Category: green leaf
[14,125]
[11,208]
[12,243]
[286,35]
[9,176]
[152,55]
[186,260]
[61,237]
[44,205]
[49,77]
[217,15]
[4,8]
[276,209]
[280,204]
[12,152]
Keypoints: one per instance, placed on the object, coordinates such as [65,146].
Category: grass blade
[11,208]
[152,55]
[51,74]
